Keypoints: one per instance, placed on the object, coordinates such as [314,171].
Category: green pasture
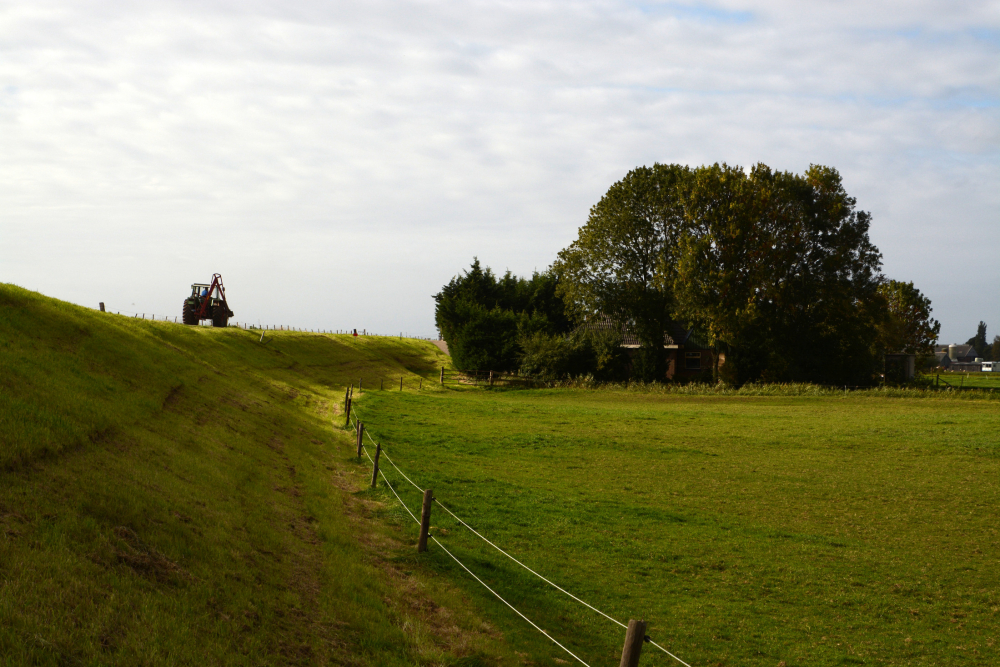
[964,379]
[175,495]
[832,530]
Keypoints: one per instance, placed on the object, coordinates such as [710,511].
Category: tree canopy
[775,270]
[779,271]
[908,326]
[624,261]
[483,318]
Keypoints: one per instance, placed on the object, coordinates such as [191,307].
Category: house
[688,353]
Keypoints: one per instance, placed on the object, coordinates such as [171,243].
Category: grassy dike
[175,495]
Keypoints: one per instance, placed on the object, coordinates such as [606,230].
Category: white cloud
[338,162]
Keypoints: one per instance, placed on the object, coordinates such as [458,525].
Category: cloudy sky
[338,162]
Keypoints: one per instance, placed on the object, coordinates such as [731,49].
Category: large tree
[908,326]
[979,340]
[623,262]
[779,271]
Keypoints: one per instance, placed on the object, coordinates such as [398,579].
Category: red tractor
[207,302]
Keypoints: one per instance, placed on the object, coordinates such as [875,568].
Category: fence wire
[464,567]
[648,640]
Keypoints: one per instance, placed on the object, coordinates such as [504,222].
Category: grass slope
[179,495]
[747,530]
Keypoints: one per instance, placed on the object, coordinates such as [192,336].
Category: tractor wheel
[220,316]
[189,316]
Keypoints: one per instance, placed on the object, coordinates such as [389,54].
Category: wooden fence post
[361,381]
[425,521]
[102,306]
[361,433]
[442,376]
[401,383]
[634,637]
[378,451]
[347,406]
[380,384]
[421,384]
[491,378]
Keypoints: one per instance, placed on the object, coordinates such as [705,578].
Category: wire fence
[381,452]
[249,326]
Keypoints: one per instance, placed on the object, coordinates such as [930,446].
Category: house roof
[961,350]
[942,357]
[675,335]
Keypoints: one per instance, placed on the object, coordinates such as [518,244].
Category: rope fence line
[652,643]
[464,567]
[508,604]
[249,326]
[646,638]
[555,586]
[484,539]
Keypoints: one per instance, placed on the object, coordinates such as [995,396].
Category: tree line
[775,270]
[986,350]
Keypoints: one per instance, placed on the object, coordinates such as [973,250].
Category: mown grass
[748,530]
[177,495]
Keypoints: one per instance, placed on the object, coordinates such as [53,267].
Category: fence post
[442,376]
[425,521]
[380,381]
[360,383]
[401,383]
[634,637]
[378,451]
[102,306]
[491,378]
[421,384]
[361,433]
[347,407]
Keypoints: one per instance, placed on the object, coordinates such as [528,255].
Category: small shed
[900,367]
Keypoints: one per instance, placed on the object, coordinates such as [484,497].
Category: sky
[338,162]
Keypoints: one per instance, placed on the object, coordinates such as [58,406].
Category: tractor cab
[199,289]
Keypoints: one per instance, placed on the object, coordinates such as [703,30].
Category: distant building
[688,353]
[949,354]
[958,358]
